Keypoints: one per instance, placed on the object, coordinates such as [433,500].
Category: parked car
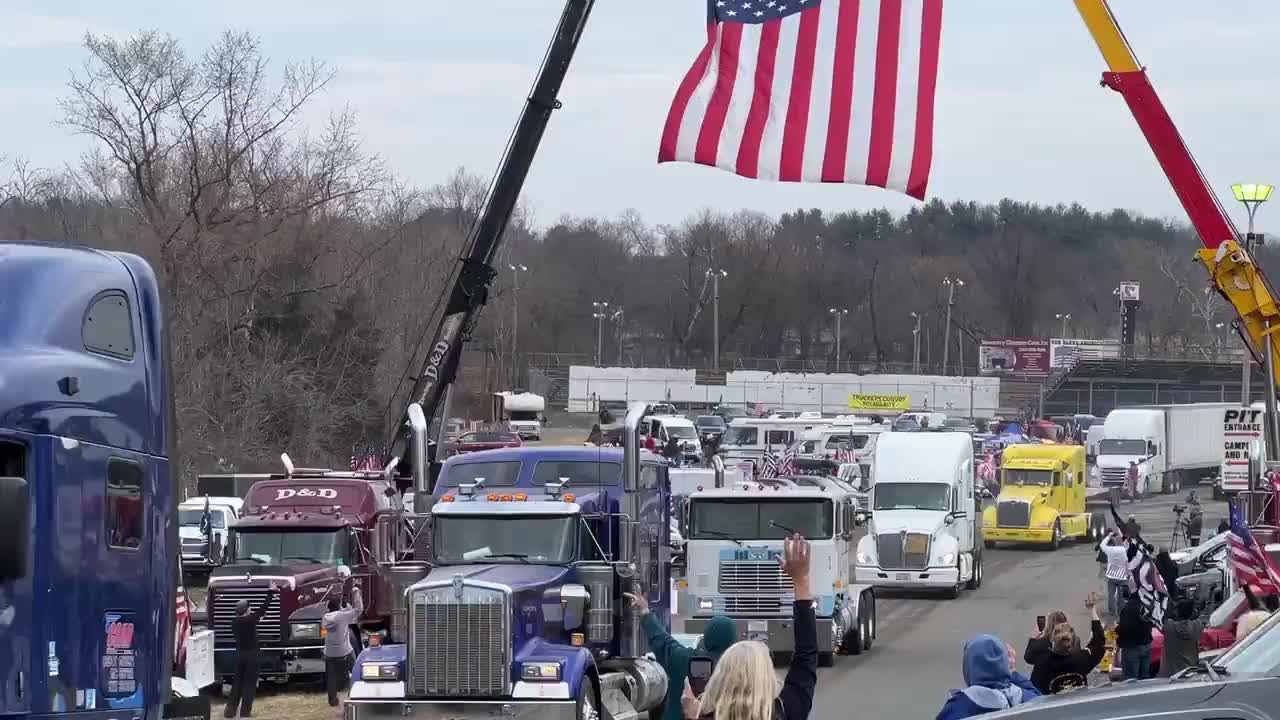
[1208,555]
[483,440]
[710,427]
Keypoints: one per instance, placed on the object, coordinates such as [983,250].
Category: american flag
[770,469]
[1249,563]
[834,91]
[367,457]
[787,465]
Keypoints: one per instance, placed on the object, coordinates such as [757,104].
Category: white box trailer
[1172,445]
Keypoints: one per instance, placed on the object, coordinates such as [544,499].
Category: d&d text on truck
[925,531]
[735,538]
[1042,498]
[299,530]
[522,614]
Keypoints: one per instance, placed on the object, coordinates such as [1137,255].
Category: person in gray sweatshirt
[337,643]
[1181,639]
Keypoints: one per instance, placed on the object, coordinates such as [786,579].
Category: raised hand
[795,563]
[637,601]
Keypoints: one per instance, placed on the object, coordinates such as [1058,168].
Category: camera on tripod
[1179,509]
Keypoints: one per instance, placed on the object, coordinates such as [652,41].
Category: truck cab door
[844,538]
[17,515]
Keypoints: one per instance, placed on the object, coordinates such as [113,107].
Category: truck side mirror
[15,527]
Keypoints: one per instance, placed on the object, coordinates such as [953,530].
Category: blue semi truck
[88,538]
[520,611]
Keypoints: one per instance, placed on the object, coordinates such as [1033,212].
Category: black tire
[869,634]
[975,582]
[953,592]
[1056,540]
[853,641]
[988,544]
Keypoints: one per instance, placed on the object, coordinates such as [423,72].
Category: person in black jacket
[244,684]
[1133,637]
[744,686]
[1058,662]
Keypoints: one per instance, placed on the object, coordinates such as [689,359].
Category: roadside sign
[1241,430]
[860,401]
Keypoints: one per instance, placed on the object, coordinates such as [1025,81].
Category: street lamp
[1251,195]
[715,274]
[515,320]
[1064,319]
[952,284]
[619,318]
[602,310]
[838,312]
[915,349]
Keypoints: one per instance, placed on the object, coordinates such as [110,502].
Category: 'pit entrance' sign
[1241,428]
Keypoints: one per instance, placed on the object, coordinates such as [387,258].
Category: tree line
[302,274]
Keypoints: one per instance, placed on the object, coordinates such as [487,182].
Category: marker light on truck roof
[568,497]
[447,498]
[521,497]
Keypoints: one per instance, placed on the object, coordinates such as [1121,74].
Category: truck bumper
[930,578]
[777,633]
[461,710]
[1027,535]
[302,660]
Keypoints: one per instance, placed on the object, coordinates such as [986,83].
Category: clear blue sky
[438,84]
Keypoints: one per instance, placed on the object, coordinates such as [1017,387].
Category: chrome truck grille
[754,605]
[748,576]
[1114,476]
[460,640]
[907,551]
[1013,514]
[222,613]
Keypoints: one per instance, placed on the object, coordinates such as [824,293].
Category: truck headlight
[706,604]
[378,671]
[305,631]
[948,558]
[864,559]
[540,671]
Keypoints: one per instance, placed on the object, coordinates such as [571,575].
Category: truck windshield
[578,472]
[190,517]
[751,519]
[912,496]
[272,547]
[1122,447]
[504,538]
[1028,477]
[682,432]
[493,473]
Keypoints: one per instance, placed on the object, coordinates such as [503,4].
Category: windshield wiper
[303,557]
[517,556]
[780,526]
[720,534]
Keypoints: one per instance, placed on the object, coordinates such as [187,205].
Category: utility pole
[838,312]
[515,322]
[915,343]
[952,284]
[715,275]
[601,310]
[1064,319]
[619,318]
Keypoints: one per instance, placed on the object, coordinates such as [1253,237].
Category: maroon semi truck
[297,531]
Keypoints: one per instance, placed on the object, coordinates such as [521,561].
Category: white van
[925,525]
[664,427]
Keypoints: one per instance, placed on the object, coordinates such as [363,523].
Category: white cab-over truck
[926,526]
[734,540]
[200,550]
[1173,445]
[521,411]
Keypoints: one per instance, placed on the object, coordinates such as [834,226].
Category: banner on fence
[861,401]
[1020,356]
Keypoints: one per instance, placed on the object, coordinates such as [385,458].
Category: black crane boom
[475,275]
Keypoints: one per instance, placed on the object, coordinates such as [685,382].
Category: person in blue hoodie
[991,683]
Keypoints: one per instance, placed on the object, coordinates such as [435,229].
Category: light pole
[1064,319]
[619,319]
[602,310]
[915,345]
[952,284]
[715,274]
[515,321]
[838,312]
[1251,195]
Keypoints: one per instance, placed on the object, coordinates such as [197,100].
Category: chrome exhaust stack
[717,464]
[418,427]
[631,446]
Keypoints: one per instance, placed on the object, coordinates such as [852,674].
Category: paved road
[916,659]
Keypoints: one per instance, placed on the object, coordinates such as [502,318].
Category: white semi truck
[734,540]
[1173,445]
[925,522]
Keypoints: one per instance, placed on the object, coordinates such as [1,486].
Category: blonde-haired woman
[743,686]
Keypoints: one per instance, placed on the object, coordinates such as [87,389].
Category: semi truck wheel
[953,592]
[855,637]
[975,582]
[1056,540]
[869,631]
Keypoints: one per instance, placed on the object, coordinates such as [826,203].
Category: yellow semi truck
[1042,498]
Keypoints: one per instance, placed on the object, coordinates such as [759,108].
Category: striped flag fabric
[770,469]
[367,458]
[1249,563]
[832,91]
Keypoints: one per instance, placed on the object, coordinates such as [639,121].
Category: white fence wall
[829,393]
